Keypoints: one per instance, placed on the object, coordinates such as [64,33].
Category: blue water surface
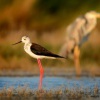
[51,82]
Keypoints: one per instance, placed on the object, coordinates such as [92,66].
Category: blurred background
[45,22]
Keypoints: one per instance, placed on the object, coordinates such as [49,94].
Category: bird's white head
[25,39]
[93,14]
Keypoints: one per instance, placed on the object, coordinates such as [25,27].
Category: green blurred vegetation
[42,16]
[4,3]
[7,52]
[57,13]
[89,54]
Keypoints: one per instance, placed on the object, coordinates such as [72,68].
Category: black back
[41,51]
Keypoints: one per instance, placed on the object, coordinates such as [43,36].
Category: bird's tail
[58,56]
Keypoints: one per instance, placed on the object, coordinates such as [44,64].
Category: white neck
[27,43]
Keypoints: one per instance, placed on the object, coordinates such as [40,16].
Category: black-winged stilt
[38,52]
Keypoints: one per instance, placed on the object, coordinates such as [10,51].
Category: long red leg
[41,73]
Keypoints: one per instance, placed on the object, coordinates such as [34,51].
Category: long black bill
[17,43]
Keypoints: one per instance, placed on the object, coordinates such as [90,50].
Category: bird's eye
[24,39]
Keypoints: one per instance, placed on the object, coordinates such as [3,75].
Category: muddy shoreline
[63,72]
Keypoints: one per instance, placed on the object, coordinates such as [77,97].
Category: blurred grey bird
[77,33]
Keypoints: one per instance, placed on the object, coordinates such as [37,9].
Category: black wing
[41,51]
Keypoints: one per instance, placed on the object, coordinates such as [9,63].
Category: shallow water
[51,82]
[73,85]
